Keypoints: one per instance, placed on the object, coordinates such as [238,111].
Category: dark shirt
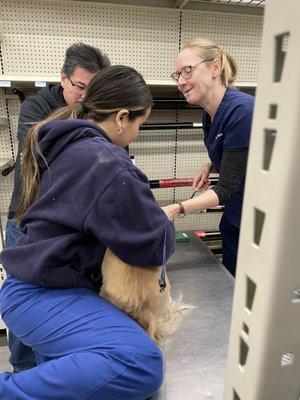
[227,140]
[231,175]
[90,197]
[33,109]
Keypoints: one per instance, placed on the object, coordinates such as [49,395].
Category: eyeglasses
[187,71]
[81,88]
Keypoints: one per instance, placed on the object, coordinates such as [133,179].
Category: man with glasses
[81,63]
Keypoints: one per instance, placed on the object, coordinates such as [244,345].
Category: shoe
[16,370]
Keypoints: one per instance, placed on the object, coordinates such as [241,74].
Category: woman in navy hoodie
[80,195]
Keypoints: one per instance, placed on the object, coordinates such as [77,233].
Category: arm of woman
[204,200]
[202,176]
[127,219]
[232,175]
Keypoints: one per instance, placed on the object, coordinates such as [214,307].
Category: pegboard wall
[2,278]
[9,108]
[35,34]
[238,34]
[38,32]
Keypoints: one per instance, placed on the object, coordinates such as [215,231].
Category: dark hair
[84,56]
[110,90]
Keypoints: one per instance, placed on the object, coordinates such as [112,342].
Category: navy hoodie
[90,197]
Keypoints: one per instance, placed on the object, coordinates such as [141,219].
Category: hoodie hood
[56,135]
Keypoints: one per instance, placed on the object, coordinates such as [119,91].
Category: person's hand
[172,211]
[201,181]
[205,186]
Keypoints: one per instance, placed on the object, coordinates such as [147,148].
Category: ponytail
[110,90]
[229,69]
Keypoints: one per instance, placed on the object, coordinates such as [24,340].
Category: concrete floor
[4,355]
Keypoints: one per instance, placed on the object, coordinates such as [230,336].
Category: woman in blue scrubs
[204,74]
[81,194]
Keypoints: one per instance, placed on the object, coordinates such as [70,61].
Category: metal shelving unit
[8,81]
[250,3]
[145,34]
[237,6]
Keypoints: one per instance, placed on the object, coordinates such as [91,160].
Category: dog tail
[172,318]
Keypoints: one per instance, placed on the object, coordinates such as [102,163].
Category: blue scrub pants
[87,349]
[230,243]
[21,356]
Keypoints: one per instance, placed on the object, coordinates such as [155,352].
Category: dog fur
[135,290]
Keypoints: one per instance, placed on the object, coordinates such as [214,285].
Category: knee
[151,371]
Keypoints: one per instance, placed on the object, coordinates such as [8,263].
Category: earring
[120,130]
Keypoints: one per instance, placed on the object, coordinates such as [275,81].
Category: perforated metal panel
[239,35]
[10,105]
[154,151]
[258,3]
[2,271]
[2,278]
[191,152]
[37,34]
[13,106]
[5,146]
[6,185]
[263,360]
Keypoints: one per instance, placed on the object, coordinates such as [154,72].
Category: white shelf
[249,3]
[255,7]
[41,80]
[35,80]
[9,80]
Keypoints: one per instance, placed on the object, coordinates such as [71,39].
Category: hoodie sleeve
[127,219]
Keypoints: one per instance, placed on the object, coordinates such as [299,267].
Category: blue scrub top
[230,130]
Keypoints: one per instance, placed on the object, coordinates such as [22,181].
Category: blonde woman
[204,74]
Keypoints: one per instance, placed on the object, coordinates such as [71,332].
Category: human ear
[216,67]
[63,78]
[121,117]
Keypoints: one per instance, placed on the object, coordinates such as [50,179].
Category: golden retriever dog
[136,291]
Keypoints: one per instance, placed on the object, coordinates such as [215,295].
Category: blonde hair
[209,50]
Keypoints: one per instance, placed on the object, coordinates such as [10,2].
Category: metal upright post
[264,353]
